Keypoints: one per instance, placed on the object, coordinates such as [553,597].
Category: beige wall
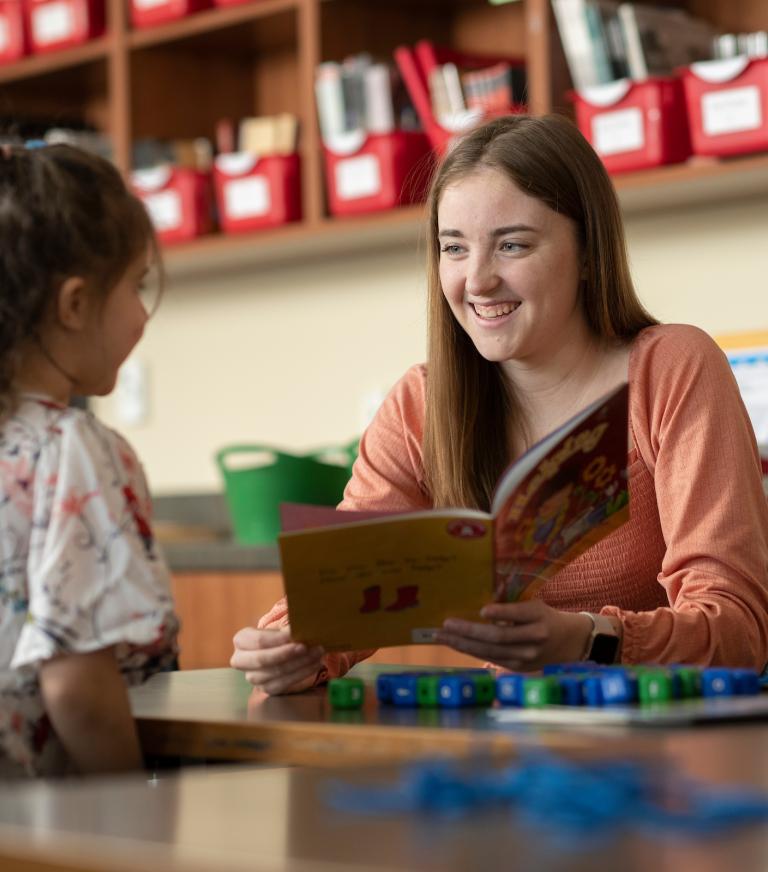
[294,354]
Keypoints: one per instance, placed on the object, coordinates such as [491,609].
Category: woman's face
[509,269]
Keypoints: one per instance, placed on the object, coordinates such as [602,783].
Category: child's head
[70,233]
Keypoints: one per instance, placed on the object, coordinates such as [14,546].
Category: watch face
[604,648]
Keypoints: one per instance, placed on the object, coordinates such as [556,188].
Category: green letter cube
[426,691]
[654,686]
[485,688]
[538,692]
[346,693]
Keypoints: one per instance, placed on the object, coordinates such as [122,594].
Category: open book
[357,580]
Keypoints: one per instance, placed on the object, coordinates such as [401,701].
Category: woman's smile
[495,314]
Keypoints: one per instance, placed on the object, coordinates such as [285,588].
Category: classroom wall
[298,355]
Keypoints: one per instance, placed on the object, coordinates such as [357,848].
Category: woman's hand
[273,663]
[522,636]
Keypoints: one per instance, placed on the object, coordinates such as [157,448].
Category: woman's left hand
[521,636]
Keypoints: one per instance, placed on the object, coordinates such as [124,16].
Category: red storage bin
[14,43]
[727,105]
[58,24]
[256,192]
[178,200]
[635,125]
[148,13]
[369,173]
[416,64]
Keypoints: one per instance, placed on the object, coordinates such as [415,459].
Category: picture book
[357,580]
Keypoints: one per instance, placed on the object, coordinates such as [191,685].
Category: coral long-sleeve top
[687,575]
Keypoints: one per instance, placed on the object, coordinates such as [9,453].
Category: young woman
[533,315]
[85,604]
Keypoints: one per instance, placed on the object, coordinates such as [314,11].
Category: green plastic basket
[257,478]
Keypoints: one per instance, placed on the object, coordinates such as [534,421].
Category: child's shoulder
[49,428]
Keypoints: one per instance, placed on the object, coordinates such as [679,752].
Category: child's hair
[63,212]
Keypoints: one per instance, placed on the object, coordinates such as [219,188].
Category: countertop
[195,535]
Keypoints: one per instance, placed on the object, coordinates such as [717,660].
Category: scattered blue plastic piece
[403,690]
[571,689]
[593,690]
[509,688]
[717,682]
[384,687]
[618,687]
[456,691]
[746,682]
[576,799]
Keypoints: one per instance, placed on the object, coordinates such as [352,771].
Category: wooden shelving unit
[259,57]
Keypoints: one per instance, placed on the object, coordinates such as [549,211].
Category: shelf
[680,186]
[699,181]
[208,22]
[327,238]
[40,65]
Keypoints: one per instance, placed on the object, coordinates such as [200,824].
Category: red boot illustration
[407,598]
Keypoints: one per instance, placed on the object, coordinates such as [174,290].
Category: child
[85,604]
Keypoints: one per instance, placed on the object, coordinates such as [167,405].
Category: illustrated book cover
[357,580]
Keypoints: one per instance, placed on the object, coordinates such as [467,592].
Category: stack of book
[360,95]
[454,92]
[605,40]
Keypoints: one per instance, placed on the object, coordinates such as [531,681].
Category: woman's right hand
[273,663]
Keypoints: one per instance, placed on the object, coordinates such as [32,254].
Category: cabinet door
[214,606]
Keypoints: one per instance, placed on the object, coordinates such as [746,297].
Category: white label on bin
[616,132]
[164,209]
[358,177]
[247,198]
[731,110]
[52,22]
[5,36]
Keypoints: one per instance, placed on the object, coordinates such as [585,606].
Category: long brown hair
[471,410]
[63,212]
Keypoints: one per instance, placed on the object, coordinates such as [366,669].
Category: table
[279,820]
[214,714]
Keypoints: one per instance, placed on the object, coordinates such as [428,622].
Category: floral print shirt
[79,569]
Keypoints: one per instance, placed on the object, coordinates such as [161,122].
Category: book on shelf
[357,580]
[659,40]
[592,43]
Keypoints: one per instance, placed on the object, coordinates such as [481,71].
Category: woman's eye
[450,248]
[512,246]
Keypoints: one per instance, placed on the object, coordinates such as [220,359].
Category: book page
[568,492]
[386,582]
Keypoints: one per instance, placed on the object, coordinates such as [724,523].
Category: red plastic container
[59,24]
[369,173]
[727,105]
[148,13]
[635,125]
[415,65]
[14,43]
[178,200]
[257,192]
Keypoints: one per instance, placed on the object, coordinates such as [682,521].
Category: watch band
[604,642]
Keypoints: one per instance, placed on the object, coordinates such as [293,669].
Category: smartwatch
[603,643]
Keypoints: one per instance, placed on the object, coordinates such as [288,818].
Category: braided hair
[63,212]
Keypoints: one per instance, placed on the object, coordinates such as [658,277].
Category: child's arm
[87,702]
